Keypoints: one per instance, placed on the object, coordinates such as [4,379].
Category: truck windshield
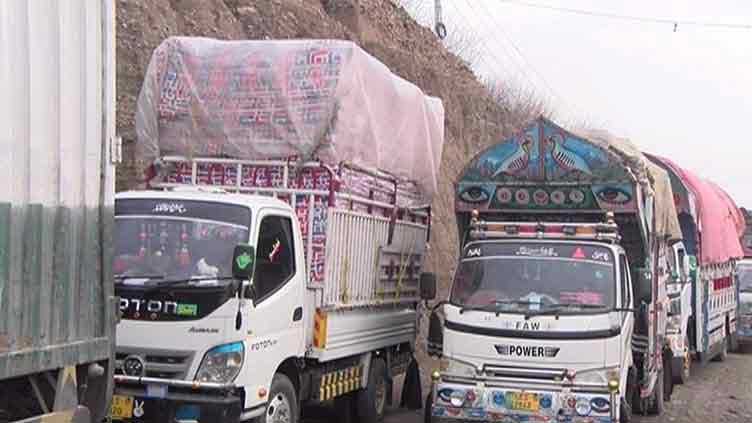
[530,277]
[744,270]
[176,240]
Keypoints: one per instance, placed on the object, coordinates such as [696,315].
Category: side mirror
[644,286]
[427,286]
[691,263]
[435,347]
[243,262]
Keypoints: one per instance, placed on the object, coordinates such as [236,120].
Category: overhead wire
[552,93]
[488,55]
[632,18]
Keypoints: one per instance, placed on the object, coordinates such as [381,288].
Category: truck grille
[540,374]
[164,364]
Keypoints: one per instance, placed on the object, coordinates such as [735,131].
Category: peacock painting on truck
[546,167]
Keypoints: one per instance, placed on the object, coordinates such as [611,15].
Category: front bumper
[142,403]
[455,402]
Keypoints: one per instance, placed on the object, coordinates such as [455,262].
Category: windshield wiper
[166,284]
[494,306]
[556,309]
[122,277]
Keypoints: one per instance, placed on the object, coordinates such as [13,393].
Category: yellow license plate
[122,407]
[523,401]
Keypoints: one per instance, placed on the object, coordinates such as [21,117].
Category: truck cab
[682,269]
[538,324]
[187,323]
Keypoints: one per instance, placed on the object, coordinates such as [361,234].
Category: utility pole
[439,26]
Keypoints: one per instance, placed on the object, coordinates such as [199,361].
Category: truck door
[627,317]
[274,322]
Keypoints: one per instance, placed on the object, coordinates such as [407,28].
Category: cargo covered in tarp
[548,168]
[720,222]
[321,100]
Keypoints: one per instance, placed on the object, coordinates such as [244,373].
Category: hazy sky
[685,94]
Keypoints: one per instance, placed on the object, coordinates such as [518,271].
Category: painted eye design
[445,394]
[614,195]
[474,194]
[600,405]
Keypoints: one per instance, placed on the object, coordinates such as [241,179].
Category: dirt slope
[473,120]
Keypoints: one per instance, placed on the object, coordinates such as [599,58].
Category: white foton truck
[253,285]
[703,286]
[558,306]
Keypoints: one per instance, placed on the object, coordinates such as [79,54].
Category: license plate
[522,401]
[122,407]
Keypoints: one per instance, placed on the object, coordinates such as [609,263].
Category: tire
[657,405]
[371,401]
[681,367]
[427,409]
[668,380]
[625,411]
[344,407]
[283,402]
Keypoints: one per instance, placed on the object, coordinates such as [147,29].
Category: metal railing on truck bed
[364,239]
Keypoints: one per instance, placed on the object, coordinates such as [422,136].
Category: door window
[625,291]
[275,256]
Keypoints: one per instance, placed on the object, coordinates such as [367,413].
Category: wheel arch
[290,368]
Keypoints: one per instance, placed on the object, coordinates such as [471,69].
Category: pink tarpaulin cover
[268,99]
[721,223]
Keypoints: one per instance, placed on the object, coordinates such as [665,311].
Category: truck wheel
[371,401]
[681,366]
[625,411]
[657,405]
[668,380]
[283,403]
[345,408]
[427,408]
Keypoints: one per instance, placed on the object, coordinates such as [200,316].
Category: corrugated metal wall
[56,113]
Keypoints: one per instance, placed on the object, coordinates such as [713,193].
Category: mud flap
[412,391]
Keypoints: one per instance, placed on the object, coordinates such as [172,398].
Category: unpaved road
[717,393]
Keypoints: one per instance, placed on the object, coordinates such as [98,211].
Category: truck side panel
[56,202]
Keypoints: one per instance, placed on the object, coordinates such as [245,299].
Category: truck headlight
[460,368]
[221,364]
[597,377]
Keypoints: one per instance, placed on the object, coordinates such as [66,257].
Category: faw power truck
[558,306]
[703,286]
[58,152]
[276,257]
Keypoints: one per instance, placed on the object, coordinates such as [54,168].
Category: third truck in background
[702,285]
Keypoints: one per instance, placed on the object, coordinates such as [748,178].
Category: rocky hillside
[473,119]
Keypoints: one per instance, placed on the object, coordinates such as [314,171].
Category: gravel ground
[717,393]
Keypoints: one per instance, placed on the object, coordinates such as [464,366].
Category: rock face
[385,30]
